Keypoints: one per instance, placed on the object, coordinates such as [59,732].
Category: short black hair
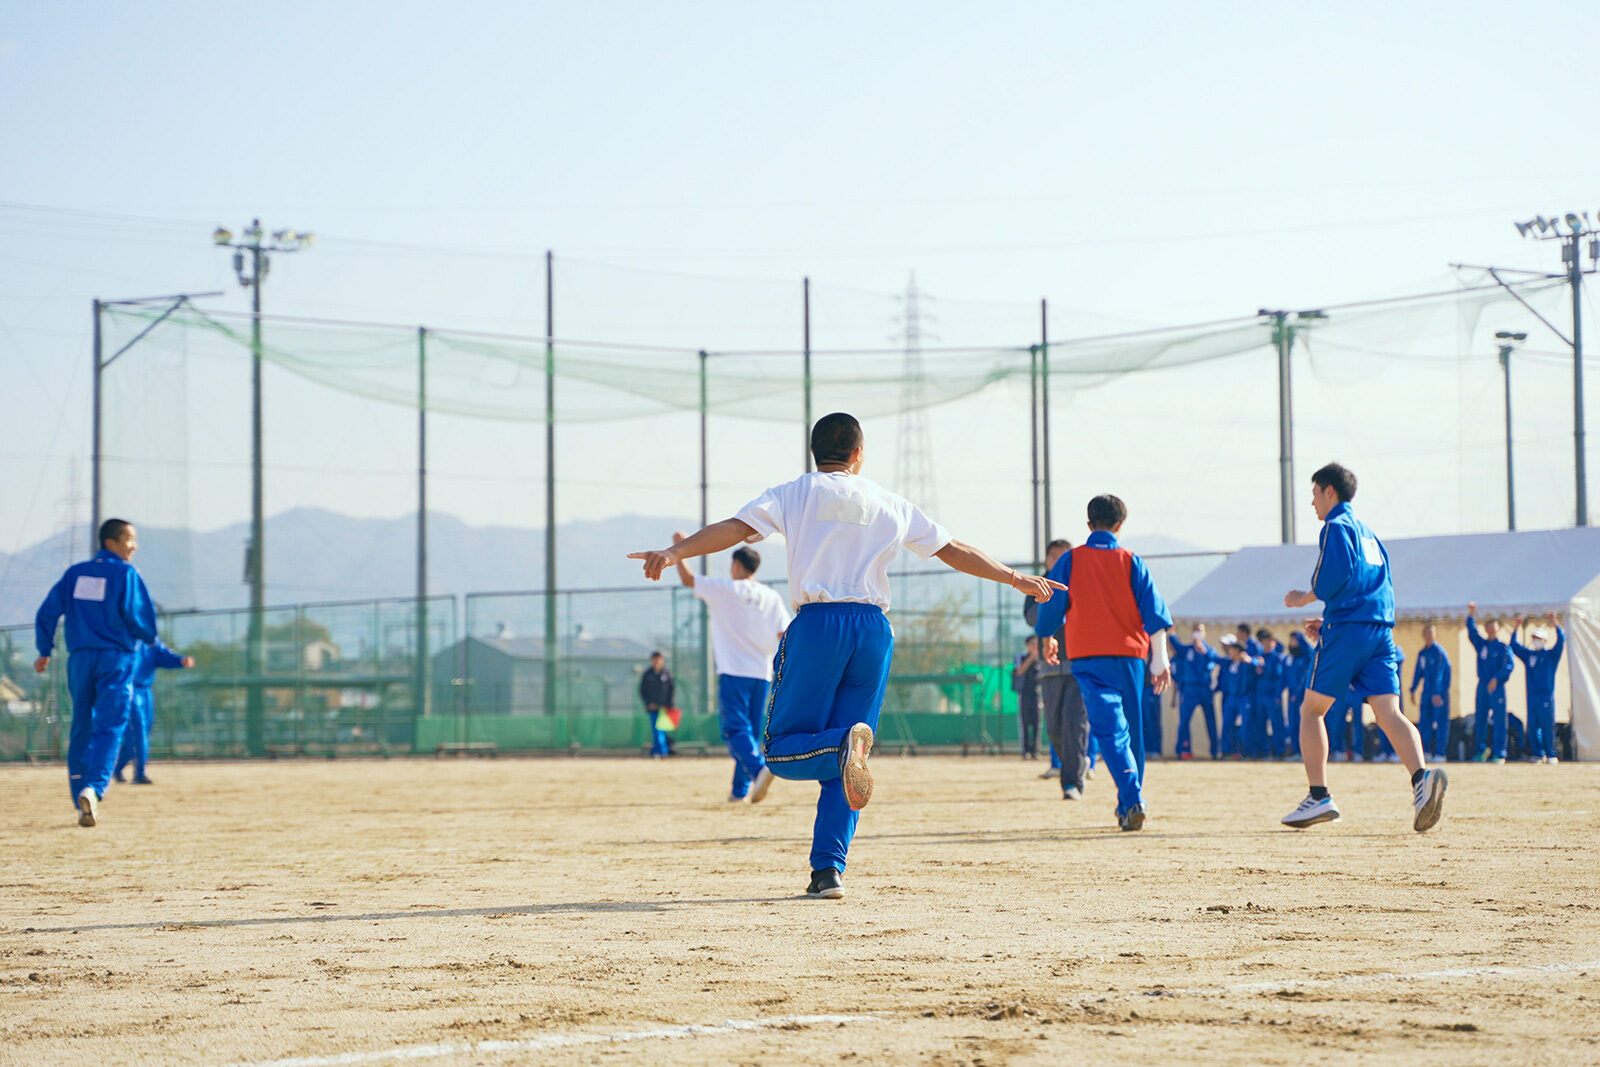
[1265,634]
[1339,478]
[834,437]
[1105,511]
[1060,542]
[747,557]
[112,530]
[658,652]
[1243,628]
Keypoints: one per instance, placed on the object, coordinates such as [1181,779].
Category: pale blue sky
[1138,164]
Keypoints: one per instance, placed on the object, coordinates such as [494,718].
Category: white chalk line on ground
[546,1042]
[1394,976]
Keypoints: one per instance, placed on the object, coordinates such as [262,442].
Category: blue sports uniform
[1539,672]
[1191,673]
[1352,579]
[136,738]
[1237,683]
[1296,678]
[108,612]
[1495,664]
[1344,725]
[1119,607]
[1271,732]
[1432,673]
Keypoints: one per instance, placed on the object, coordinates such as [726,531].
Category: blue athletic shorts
[1358,656]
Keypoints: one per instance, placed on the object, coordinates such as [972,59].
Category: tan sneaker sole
[85,811]
[856,777]
[763,782]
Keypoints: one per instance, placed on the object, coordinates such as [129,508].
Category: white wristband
[1159,663]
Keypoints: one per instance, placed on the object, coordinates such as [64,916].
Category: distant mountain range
[317,555]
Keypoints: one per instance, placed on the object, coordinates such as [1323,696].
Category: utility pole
[1509,341]
[552,640]
[1579,228]
[805,329]
[1283,335]
[1044,413]
[255,555]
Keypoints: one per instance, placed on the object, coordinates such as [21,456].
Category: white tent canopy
[1529,572]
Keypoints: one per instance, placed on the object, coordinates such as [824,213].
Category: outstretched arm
[978,563]
[714,538]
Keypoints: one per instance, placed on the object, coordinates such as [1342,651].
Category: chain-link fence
[354,678]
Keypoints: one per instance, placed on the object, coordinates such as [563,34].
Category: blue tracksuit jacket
[106,605]
[1494,661]
[1539,665]
[1352,576]
[1432,672]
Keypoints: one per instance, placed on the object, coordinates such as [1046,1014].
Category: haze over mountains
[317,555]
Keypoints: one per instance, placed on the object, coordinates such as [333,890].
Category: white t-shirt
[843,532]
[746,620]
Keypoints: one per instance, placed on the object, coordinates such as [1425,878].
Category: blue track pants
[742,701]
[1112,688]
[1434,724]
[1490,714]
[101,683]
[136,737]
[1189,702]
[831,671]
[1541,724]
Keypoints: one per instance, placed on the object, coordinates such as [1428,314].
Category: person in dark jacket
[655,689]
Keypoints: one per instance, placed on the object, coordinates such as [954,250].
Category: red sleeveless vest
[1103,618]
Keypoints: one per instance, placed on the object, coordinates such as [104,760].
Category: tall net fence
[1180,422]
[395,677]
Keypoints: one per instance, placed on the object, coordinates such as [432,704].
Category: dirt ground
[588,911]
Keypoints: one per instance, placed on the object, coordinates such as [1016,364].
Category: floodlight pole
[706,666]
[1570,249]
[1033,443]
[423,700]
[1511,491]
[552,643]
[805,325]
[1044,409]
[1283,339]
[94,463]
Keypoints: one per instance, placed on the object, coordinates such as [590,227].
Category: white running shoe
[853,772]
[763,782]
[1312,811]
[87,803]
[1428,799]
[1552,759]
[1051,772]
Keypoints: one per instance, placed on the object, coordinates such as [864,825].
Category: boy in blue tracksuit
[1344,723]
[1114,618]
[136,737]
[1271,739]
[1192,665]
[1152,716]
[1236,681]
[1495,664]
[1539,671]
[1357,652]
[832,667]
[1432,673]
[108,612]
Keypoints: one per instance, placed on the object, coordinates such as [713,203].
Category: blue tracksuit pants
[1112,688]
[1541,724]
[1235,724]
[1272,738]
[136,737]
[831,670]
[742,702]
[101,683]
[1341,735]
[1490,714]
[1190,701]
[1152,722]
[1434,724]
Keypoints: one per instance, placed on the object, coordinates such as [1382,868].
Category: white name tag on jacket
[89,588]
[835,505]
[1370,549]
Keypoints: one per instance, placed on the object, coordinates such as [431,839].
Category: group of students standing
[1248,697]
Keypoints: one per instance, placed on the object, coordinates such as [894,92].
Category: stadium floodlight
[1507,335]
[1523,228]
[1544,223]
[1573,224]
[221,235]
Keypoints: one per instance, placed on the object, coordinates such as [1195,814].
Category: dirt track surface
[578,911]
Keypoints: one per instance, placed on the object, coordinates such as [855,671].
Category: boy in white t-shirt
[747,618]
[843,531]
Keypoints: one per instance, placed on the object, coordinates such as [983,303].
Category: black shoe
[144,779]
[1133,818]
[120,776]
[826,884]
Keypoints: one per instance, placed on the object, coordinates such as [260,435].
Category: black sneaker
[826,884]
[144,779]
[1133,818]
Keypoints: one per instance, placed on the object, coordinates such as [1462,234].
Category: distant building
[596,675]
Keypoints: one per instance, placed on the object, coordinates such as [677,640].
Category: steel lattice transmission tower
[913,473]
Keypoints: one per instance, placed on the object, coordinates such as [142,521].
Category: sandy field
[607,910]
